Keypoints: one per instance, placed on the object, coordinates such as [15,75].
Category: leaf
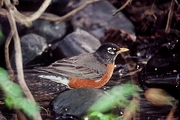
[101,116]
[14,96]
[117,96]
[159,97]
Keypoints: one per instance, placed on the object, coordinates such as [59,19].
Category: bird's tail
[41,73]
[58,79]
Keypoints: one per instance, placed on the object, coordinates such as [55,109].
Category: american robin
[87,70]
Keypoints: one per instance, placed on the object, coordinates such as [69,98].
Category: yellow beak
[122,50]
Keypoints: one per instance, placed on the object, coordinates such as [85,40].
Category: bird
[86,70]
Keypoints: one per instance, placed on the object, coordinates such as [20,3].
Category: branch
[5,13]
[75,11]
[18,54]
[173,110]
[17,15]
[170,14]
[20,18]
[55,18]
[38,13]
[18,61]
[122,7]
[134,79]
[6,50]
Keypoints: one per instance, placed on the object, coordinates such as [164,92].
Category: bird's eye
[111,50]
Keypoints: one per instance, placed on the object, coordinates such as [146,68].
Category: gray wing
[84,66]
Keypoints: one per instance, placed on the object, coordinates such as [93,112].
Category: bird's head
[108,52]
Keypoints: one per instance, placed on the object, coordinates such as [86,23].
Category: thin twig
[131,66]
[8,64]
[47,111]
[20,115]
[170,15]
[20,18]
[40,10]
[131,108]
[54,18]
[45,16]
[75,11]
[134,79]
[18,61]
[6,50]
[3,12]
[17,49]
[177,3]
[173,110]
[122,7]
[27,21]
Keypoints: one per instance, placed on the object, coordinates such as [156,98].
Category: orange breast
[85,83]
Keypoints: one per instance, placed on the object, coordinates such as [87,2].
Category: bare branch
[20,18]
[54,18]
[17,15]
[40,10]
[122,7]
[6,50]
[170,15]
[173,110]
[4,12]
[18,58]
[75,11]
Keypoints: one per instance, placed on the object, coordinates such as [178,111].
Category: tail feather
[57,79]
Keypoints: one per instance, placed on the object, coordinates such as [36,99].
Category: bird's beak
[121,50]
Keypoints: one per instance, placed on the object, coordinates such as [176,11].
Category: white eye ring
[111,51]
[114,49]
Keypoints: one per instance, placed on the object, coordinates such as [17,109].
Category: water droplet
[138,54]
[137,66]
[49,45]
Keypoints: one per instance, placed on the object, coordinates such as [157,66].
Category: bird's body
[85,70]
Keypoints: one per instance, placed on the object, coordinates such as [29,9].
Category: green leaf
[101,116]
[14,96]
[117,96]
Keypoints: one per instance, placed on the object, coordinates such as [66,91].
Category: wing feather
[84,66]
